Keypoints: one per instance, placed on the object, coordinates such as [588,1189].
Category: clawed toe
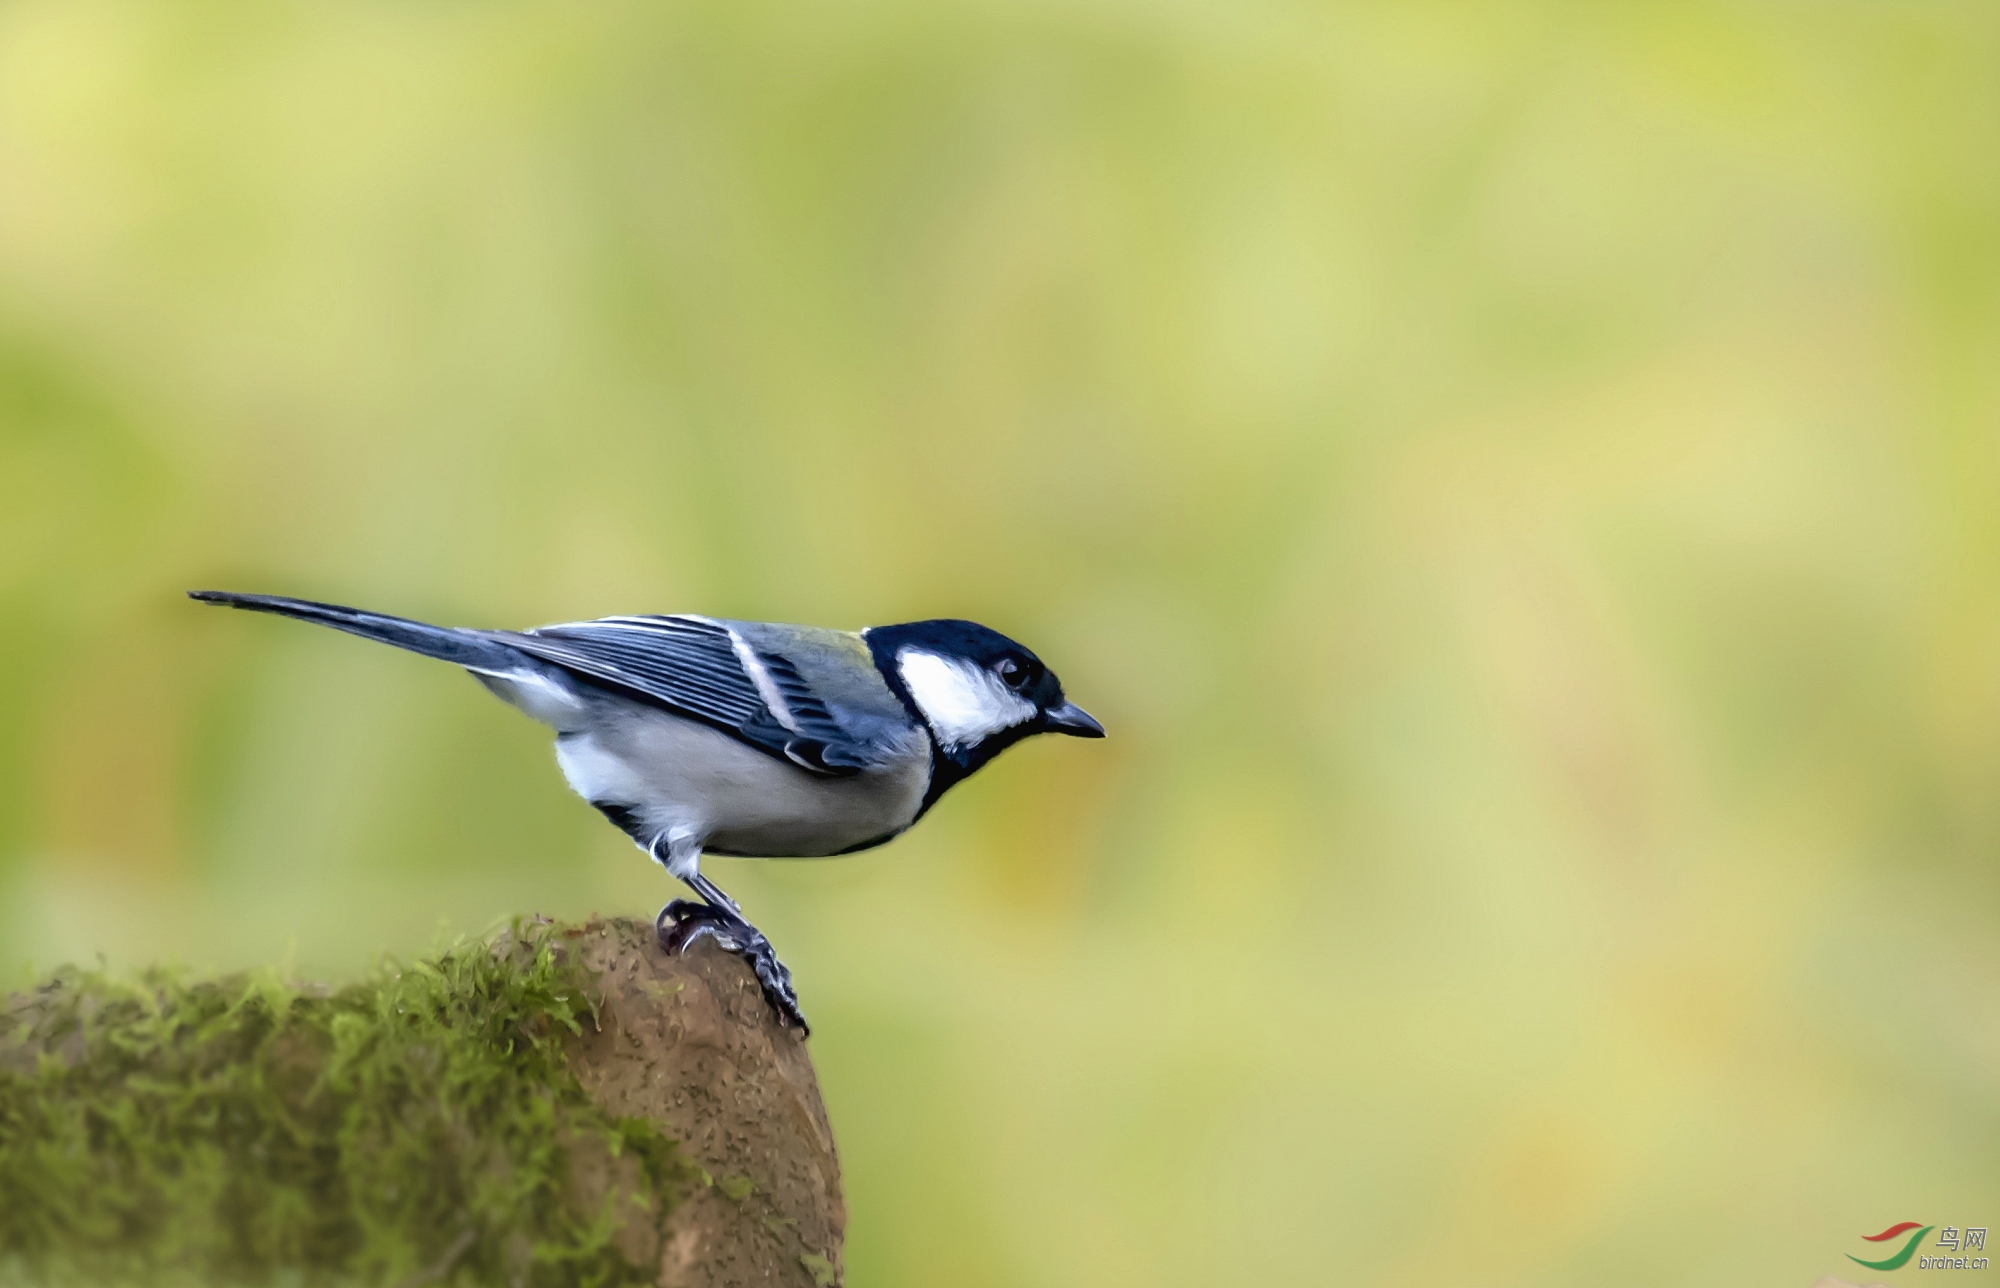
[684,921]
[776,982]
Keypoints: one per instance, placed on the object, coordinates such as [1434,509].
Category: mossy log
[564,1105]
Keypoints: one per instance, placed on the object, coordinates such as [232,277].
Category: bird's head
[977,691]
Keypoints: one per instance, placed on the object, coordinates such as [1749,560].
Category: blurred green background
[1521,484]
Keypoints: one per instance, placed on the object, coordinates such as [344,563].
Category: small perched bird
[702,735]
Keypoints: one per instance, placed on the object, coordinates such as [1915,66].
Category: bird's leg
[683,921]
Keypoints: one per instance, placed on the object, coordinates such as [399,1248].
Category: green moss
[415,1126]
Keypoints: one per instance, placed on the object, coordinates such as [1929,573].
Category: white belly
[683,776]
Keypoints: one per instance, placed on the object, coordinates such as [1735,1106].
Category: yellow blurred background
[1520,483]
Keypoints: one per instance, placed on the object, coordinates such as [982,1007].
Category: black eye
[1012,673]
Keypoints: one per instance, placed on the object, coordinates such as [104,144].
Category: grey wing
[699,667]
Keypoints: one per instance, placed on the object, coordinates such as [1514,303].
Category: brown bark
[690,1043]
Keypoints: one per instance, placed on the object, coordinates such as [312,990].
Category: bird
[704,735]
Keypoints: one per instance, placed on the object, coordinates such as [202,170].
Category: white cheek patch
[965,704]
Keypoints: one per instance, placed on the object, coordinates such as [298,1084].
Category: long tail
[466,648]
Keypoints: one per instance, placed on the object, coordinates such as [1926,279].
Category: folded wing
[704,669]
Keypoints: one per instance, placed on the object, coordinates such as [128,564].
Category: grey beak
[1073,720]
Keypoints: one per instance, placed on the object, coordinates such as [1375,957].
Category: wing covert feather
[695,666]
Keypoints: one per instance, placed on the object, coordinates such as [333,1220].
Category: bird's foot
[684,921]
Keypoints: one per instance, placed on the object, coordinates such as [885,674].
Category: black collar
[948,768]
